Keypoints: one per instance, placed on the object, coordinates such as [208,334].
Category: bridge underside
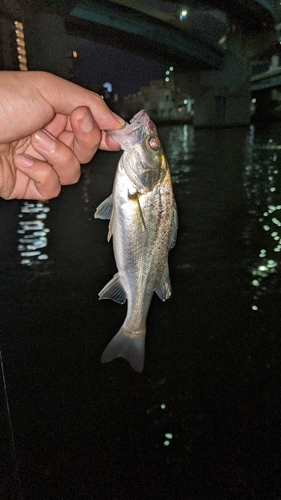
[251,14]
[127,28]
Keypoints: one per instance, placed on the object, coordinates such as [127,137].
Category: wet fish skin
[143,222]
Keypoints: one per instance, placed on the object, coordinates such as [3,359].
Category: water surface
[203,419]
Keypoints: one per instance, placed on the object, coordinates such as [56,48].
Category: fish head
[144,155]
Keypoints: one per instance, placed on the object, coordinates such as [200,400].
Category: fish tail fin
[128,345]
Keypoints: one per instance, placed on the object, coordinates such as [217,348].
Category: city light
[168,73]
[20,46]
[183,14]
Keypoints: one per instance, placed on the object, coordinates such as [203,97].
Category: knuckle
[55,192]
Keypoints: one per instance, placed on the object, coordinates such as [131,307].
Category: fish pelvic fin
[128,345]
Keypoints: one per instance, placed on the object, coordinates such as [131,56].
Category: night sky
[126,71]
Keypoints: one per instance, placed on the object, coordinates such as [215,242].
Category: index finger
[87,137]
[64,96]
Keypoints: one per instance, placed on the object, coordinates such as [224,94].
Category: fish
[143,225]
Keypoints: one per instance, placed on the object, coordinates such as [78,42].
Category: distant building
[162,101]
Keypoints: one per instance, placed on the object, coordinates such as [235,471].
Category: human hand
[48,127]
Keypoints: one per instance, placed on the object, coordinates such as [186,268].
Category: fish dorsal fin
[174,230]
[164,287]
[104,210]
[113,290]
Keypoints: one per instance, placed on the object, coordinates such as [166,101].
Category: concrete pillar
[221,98]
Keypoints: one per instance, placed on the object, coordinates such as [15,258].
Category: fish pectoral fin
[104,210]
[174,230]
[138,218]
[164,289]
[110,226]
[113,290]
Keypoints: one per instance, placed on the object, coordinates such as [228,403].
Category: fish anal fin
[128,345]
[164,289]
[113,290]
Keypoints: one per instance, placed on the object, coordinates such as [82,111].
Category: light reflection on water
[262,186]
[178,141]
[261,157]
[33,239]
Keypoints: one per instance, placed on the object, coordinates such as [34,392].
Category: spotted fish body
[143,223]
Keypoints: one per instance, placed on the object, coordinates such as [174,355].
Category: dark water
[203,419]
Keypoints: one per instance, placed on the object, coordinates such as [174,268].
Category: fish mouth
[140,119]
[132,132]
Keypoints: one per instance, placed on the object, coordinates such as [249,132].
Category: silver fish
[143,223]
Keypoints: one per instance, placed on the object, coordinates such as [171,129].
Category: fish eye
[154,142]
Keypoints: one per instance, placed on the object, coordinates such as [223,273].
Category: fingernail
[86,123]
[119,119]
[24,161]
[45,141]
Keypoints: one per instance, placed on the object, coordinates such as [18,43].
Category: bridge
[209,43]
[192,41]
[141,32]
[159,28]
